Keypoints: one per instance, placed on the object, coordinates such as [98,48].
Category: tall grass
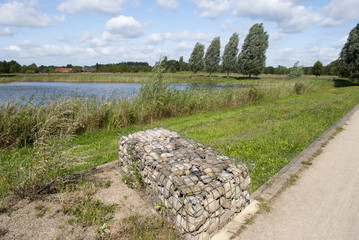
[23,123]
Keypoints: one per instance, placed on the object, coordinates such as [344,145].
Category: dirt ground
[44,219]
[323,203]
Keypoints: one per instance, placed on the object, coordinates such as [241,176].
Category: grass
[271,133]
[264,207]
[291,180]
[268,133]
[150,228]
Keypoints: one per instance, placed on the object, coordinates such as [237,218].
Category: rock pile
[200,189]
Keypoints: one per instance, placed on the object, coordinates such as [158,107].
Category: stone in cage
[200,189]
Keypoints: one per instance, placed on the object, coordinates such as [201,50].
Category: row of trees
[250,61]
[14,67]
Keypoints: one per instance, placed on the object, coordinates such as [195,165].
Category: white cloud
[227,24]
[23,14]
[338,11]
[13,48]
[289,17]
[171,5]
[325,55]
[340,43]
[157,38]
[212,9]
[92,6]
[122,27]
[6,32]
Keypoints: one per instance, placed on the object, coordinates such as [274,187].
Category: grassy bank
[21,123]
[268,132]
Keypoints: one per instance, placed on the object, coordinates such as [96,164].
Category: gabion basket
[200,188]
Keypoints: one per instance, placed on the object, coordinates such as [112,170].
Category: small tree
[230,54]
[350,55]
[196,59]
[296,71]
[253,55]
[181,63]
[318,68]
[212,58]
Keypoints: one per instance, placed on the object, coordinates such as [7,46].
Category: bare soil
[44,219]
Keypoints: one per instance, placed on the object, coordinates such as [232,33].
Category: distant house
[63,70]
[88,69]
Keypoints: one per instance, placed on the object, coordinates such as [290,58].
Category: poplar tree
[212,58]
[253,55]
[196,58]
[350,55]
[229,58]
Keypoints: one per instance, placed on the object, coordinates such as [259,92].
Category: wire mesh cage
[200,188]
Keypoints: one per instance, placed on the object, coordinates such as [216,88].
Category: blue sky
[86,32]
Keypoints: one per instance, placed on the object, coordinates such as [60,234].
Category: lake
[23,91]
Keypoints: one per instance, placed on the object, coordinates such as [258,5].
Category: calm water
[23,91]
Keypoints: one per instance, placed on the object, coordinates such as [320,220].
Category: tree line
[250,61]
[14,67]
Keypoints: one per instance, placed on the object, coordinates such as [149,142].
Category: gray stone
[210,204]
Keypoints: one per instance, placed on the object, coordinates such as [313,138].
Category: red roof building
[63,70]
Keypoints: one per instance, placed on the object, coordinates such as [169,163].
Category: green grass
[269,134]
[271,125]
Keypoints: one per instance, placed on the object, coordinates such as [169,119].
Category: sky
[86,32]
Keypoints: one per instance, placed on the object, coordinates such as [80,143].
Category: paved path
[324,202]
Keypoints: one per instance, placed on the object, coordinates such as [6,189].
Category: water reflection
[47,91]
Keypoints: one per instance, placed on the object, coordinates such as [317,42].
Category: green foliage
[230,54]
[252,57]
[296,71]
[271,132]
[212,57]
[318,68]
[350,54]
[196,59]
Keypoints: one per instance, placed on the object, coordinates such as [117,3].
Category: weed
[70,221]
[10,210]
[264,207]
[39,214]
[150,228]
[3,231]
[291,180]
[248,221]
[39,207]
[89,212]
[128,180]
[308,162]
[160,208]
[103,232]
